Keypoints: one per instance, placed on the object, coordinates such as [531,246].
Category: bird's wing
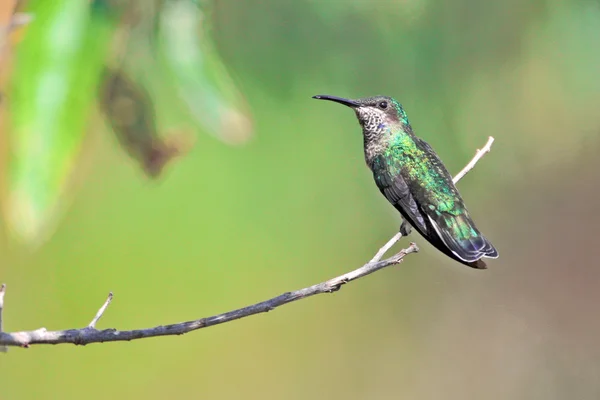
[448,214]
[461,237]
[397,192]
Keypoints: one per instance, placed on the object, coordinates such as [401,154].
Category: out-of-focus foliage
[198,74]
[130,113]
[75,47]
[227,225]
[52,87]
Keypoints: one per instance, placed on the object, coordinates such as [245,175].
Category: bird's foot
[405,228]
[338,285]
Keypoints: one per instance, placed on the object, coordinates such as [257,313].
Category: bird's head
[376,115]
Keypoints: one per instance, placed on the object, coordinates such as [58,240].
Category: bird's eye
[383,105]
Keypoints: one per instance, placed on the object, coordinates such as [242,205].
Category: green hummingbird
[412,177]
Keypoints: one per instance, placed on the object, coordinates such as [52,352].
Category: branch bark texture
[90,334]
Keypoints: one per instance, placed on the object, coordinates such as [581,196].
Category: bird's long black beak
[341,100]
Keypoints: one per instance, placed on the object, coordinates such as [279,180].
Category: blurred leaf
[10,20]
[56,71]
[14,22]
[199,74]
[130,112]
[7,10]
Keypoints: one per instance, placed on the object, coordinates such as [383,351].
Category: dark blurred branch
[90,334]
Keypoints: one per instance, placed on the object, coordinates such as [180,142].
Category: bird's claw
[405,228]
[338,285]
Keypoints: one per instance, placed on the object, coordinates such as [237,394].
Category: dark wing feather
[468,248]
[439,215]
[397,192]
[455,227]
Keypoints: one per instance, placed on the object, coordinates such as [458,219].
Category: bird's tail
[462,238]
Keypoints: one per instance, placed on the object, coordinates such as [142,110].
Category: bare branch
[478,155]
[386,247]
[90,334]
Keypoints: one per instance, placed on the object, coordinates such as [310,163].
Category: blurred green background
[292,203]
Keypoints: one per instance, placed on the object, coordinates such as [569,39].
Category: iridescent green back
[429,182]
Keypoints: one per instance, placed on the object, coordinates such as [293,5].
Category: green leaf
[56,72]
[199,75]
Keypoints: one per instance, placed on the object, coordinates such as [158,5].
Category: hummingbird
[411,176]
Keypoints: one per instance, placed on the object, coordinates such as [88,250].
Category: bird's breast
[373,151]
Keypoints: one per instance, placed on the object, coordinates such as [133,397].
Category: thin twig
[478,154]
[386,247]
[101,311]
[3,349]
[90,334]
